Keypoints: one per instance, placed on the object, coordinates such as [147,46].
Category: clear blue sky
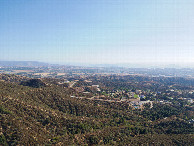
[97,31]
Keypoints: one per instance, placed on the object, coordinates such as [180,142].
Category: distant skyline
[97,31]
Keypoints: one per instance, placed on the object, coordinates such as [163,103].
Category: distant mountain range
[120,65]
[23,63]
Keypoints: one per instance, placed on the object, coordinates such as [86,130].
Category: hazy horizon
[125,65]
[157,32]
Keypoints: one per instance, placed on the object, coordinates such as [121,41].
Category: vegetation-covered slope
[48,115]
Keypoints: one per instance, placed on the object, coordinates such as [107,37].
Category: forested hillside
[46,114]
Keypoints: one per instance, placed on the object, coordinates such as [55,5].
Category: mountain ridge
[23,63]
